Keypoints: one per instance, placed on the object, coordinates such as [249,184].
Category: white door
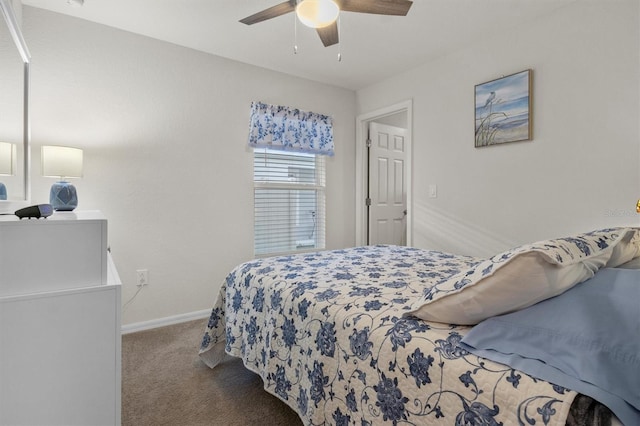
[387,184]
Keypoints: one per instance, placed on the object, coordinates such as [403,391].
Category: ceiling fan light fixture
[317,13]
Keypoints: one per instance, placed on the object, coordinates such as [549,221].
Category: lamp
[62,162]
[317,13]
[7,159]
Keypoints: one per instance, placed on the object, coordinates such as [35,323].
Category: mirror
[14,107]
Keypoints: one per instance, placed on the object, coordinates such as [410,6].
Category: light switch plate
[433,191]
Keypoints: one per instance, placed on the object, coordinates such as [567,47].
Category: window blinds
[289,201]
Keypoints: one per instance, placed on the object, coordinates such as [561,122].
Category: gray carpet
[165,383]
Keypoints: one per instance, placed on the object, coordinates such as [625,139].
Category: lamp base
[63,196]
[3,191]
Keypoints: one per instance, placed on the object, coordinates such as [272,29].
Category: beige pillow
[632,264]
[626,250]
[523,276]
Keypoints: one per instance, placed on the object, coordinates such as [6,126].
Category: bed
[349,337]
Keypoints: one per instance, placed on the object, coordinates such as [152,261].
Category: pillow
[584,340]
[632,264]
[626,250]
[519,277]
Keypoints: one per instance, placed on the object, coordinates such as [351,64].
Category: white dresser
[60,342]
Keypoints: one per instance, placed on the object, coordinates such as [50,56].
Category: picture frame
[503,110]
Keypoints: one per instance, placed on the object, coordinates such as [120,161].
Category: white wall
[164,130]
[582,169]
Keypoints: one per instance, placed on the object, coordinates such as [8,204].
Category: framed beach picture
[503,110]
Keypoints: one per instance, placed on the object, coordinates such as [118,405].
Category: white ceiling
[372,47]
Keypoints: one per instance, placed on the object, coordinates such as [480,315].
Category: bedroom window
[289,201]
[290,146]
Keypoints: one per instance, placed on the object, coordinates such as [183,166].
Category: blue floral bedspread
[326,333]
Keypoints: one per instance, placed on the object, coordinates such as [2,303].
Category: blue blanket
[586,339]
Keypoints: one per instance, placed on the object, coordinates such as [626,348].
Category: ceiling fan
[323,14]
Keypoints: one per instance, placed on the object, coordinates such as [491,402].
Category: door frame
[362,127]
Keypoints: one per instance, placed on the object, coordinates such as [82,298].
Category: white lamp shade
[7,158]
[317,13]
[61,161]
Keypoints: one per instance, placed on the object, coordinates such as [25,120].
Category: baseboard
[162,322]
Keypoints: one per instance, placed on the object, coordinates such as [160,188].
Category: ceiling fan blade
[378,7]
[329,34]
[272,12]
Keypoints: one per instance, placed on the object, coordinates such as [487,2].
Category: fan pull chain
[295,35]
[340,36]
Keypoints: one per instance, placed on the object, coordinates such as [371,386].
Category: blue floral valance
[289,129]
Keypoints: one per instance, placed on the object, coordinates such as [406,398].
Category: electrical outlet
[142,277]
